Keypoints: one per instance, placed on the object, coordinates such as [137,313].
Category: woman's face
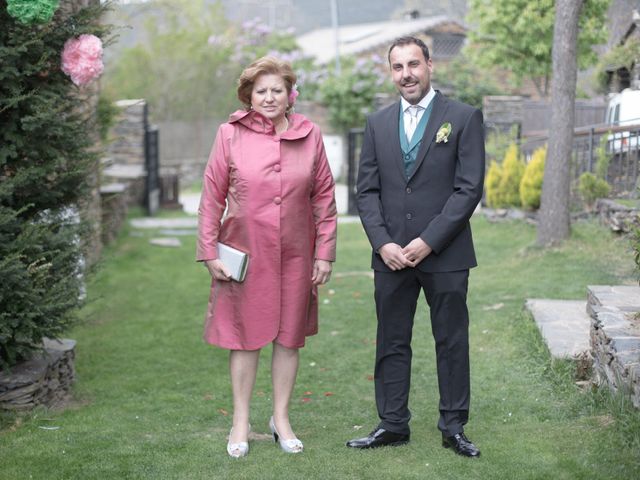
[270,97]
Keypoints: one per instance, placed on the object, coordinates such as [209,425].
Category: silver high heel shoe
[293,445]
[237,450]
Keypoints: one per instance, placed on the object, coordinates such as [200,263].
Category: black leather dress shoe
[461,445]
[379,438]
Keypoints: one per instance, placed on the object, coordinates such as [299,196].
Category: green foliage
[350,96]
[635,243]
[492,185]
[591,188]
[498,142]
[175,69]
[189,63]
[512,171]
[620,56]
[531,183]
[106,112]
[517,35]
[45,159]
[467,82]
[602,158]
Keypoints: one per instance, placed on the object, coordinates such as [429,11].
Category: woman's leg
[243,365]
[284,368]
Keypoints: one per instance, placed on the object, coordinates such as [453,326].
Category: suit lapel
[437,114]
[393,118]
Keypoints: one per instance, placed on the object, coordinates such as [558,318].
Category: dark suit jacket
[437,200]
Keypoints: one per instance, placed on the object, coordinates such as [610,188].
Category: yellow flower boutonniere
[443,133]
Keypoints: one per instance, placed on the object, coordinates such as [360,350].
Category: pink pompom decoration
[293,95]
[82,58]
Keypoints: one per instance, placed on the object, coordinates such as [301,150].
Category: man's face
[410,72]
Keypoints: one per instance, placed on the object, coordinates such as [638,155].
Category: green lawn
[152,400]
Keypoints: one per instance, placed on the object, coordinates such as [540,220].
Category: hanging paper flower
[32,11]
[293,95]
[82,58]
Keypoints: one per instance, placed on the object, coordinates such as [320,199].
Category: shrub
[512,171]
[602,158]
[492,185]
[591,188]
[531,183]
[46,157]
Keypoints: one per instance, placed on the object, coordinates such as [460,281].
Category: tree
[465,80]
[188,65]
[350,96]
[517,35]
[46,157]
[554,219]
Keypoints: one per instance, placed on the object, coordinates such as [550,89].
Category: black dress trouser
[396,295]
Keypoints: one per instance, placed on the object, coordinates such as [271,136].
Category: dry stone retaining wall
[44,380]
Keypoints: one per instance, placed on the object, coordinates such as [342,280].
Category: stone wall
[125,161]
[618,217]
[501,112]
[615,338]
[44,380]
[126,138]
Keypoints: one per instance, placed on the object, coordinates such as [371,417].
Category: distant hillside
[301,15]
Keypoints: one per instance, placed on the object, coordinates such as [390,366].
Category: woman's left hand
[321,272]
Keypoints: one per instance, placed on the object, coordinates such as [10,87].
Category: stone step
[564,325]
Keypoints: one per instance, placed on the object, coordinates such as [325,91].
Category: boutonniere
[443,133]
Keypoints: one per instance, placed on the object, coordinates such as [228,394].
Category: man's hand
[218,270]
[416,251]
[393,257]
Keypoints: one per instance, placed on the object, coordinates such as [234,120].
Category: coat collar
[299,125]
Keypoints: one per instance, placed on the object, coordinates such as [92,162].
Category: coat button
[408,189]
[408,216]
[276,167]
[277,200]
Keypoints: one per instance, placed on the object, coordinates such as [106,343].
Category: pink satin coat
[279,195]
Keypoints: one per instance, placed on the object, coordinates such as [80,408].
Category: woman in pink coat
[267,191]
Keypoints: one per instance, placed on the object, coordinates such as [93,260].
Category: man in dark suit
[420,179]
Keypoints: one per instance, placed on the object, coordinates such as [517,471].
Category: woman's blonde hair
[261,66]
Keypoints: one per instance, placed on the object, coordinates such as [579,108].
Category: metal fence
[152,166]
[618,144]
[621,146]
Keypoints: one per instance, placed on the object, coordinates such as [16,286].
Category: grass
[152,401]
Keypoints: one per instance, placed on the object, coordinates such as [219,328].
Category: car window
[616,115]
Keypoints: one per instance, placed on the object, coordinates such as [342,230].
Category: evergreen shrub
[592,186]
[45,155]
[512,171]
[492,186]
[531,183]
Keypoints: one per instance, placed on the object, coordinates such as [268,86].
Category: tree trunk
[554,219]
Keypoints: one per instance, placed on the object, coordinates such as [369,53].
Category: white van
[623,109]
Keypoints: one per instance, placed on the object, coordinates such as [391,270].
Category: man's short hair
[409,40]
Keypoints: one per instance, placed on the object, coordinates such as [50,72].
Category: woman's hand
[321,272]
[218,270]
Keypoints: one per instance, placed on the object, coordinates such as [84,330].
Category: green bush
[492,186]
[591,188]
[594,185]
[602,158]
[512,171]
[45,159]
[531,183]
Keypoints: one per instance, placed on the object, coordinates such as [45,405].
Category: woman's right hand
[218,270]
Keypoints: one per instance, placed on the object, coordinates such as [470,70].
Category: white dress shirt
[409,125]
